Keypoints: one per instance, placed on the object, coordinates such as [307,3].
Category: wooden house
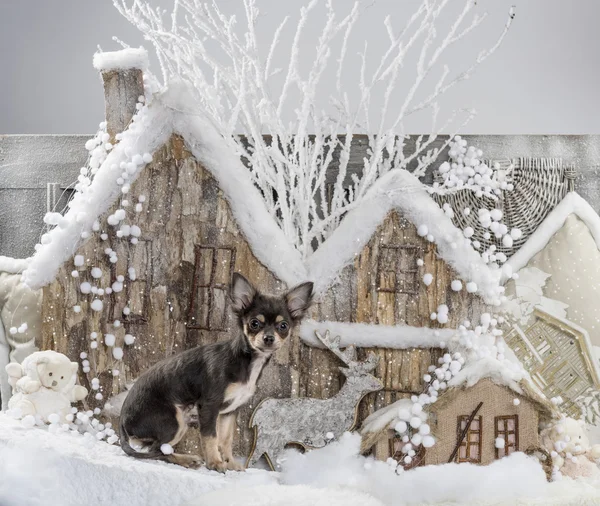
[469,420]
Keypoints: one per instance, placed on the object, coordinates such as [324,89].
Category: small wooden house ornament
[475,421]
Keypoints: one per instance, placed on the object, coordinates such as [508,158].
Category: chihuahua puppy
[216,379]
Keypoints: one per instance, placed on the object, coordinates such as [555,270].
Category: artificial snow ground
[37,468]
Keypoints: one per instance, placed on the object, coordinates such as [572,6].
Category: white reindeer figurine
[307,421]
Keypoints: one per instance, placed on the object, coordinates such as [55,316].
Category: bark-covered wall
[188,249]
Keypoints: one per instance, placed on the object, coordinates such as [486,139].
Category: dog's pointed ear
[242,293]
[298,300]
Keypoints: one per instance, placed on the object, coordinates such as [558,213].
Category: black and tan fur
[216,379]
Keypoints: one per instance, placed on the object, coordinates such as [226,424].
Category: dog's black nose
[269,339]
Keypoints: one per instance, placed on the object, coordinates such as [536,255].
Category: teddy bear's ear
[74,366]
[41,365]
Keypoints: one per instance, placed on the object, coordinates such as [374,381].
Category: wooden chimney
[122,75]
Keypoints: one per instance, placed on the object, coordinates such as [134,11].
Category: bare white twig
[291,159]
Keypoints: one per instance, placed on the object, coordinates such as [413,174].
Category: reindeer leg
[259,450]
[271,456]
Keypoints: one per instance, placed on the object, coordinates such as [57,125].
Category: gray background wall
[544,79]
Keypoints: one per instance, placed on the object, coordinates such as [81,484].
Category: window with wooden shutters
[213,270]
[507,428]
[397,269]
[470,446]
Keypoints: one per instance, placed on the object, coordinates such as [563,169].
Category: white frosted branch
[232,77]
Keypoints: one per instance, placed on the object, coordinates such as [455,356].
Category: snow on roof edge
[128,58]
[402,191]
[267,240]
[84,209]
[487,368]
[572,203]
[380,336]
[163,117]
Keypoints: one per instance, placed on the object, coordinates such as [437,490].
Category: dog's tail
[152,453]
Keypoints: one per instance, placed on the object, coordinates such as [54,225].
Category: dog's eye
[254,324]
[283,326]
[50,374]
[62,377]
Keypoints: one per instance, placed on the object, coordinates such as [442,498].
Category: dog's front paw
[217,465]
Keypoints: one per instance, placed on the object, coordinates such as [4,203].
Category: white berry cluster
[483,340]
[412,426]
[124,166]
[492,221]
[466,169]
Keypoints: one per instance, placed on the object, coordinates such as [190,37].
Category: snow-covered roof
[573,203]
[376,336]
[499,371]
[171,112]
[128,58]
[400,190]
[175,111]
[386,417]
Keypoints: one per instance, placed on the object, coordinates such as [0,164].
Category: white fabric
[18,304]
[572,260]
[572,204]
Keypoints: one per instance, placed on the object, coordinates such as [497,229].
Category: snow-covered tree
[242,93]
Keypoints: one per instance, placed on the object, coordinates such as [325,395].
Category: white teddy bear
[44,384]
[569,446]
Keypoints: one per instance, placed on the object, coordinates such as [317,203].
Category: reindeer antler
[371,362]
[348,356]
